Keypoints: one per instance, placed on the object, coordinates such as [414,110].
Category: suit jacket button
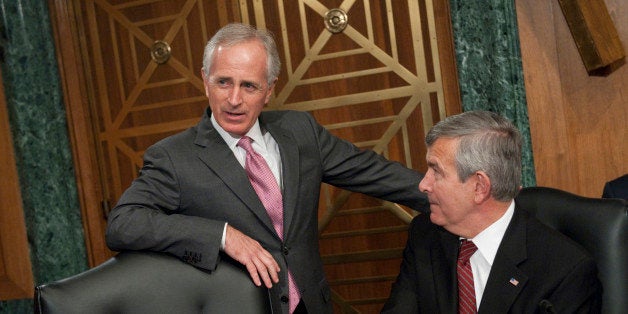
[284,299]
[285,250]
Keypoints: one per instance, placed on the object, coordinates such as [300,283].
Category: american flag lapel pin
[514,281]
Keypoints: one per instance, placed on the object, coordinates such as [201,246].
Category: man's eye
[250,87]
[223,83]
[433,170]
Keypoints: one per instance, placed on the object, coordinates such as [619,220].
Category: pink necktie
[267,189]
[466,291]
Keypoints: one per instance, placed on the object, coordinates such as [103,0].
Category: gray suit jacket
[533,263]
[191,184]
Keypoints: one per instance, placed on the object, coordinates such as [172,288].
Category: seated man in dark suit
[616,188]
[516,264]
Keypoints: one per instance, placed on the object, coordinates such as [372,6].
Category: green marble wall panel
[489,65]
[40,138]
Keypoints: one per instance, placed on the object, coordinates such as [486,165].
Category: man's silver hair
[235,33]
[489,143]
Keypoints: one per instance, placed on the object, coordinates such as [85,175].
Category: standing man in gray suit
[193,198]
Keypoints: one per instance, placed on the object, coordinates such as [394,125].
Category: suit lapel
[290,169]
[219,158]
[506,280]
[445,276]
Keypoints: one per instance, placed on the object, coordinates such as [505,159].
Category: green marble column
[489,65]
[40,138]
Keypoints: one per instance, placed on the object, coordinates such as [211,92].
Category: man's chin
[436,219]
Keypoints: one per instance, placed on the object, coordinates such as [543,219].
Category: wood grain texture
[595,35]
[80,129]
[577,121]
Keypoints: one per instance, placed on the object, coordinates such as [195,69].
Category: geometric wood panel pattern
[378,84]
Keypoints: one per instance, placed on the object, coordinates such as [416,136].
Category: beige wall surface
[577,122]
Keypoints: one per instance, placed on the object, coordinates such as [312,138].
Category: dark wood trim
[447,57]
[16,274]
[595,35]
[77,103]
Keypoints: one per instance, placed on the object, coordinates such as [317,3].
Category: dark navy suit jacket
[544,264]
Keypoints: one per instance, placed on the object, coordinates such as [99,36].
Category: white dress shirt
[487,243]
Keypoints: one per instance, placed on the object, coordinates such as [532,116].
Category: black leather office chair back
[598,225]
[145,282]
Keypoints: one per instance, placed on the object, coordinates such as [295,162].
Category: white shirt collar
[255,133]
[489,239]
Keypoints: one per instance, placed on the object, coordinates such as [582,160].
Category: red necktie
[267,189]
[466,291]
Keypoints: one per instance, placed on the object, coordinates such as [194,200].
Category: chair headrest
[147,282]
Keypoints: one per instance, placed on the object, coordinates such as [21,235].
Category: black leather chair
[146,282]
[598,225]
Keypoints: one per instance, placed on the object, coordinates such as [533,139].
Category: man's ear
[205,82]
[482,187]
[271,87]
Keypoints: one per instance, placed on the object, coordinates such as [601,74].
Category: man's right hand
[260,264]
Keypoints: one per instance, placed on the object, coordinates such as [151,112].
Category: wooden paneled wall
[577,122]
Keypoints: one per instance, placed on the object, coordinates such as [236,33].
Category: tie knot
[245,142]
[467,248]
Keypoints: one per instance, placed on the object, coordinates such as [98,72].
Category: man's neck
[486,214]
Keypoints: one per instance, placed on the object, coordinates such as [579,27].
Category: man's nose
[235,95]
[424,185]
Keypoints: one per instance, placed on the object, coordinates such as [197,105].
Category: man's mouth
[234,115]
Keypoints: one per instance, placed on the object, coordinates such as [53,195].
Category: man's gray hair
[487,142]
[235,33]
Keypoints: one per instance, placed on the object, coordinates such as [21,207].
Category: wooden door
[381,82]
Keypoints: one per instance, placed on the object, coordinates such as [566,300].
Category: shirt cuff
[224,235]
